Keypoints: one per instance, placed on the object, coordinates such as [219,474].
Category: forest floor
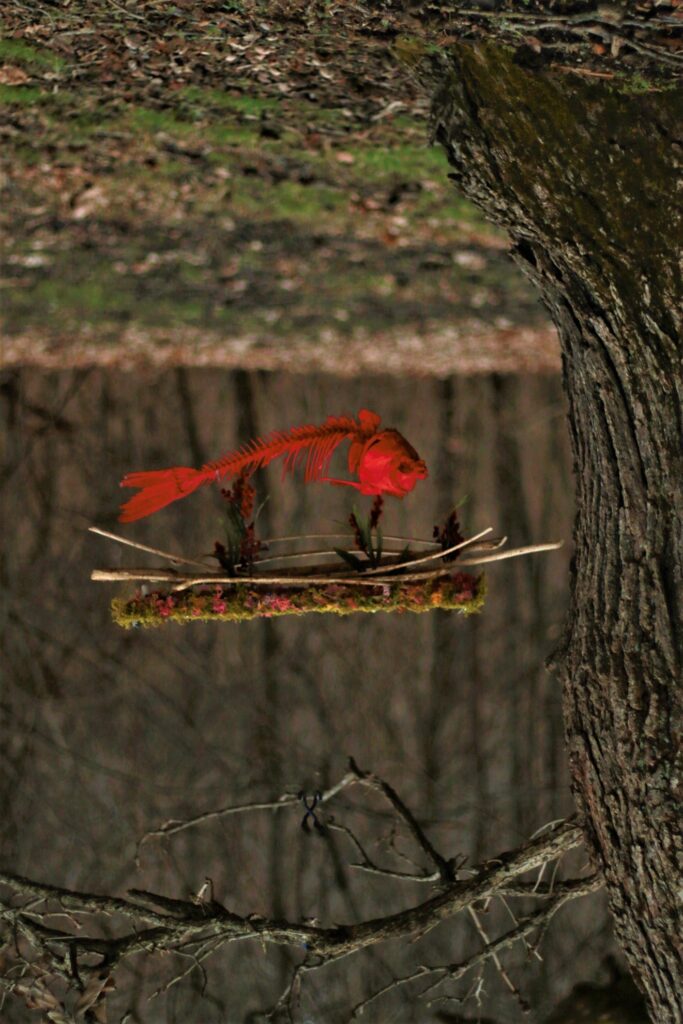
[240,184]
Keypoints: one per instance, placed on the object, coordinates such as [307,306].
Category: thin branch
[505,977]
[78,901]
[437,554]
[199,927]
[401,876]
[292,991]
[368,865]
[294,555]
[564,892]
[533,952]
[369,578]
[292,579]
[443,866]
[344,536]
[180,559]
[529,549]
[174,826]
[204,951]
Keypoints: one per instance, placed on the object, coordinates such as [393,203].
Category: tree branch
[443,866]
[171,828]
[564,892]
[183,919]
[197,927]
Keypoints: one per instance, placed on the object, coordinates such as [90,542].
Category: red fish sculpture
[383,461]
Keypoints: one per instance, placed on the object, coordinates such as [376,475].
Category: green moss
[241,603]
[83,297]
[543,130]
[230,134]
[25,155]
[16,51]
[251,105]
[408,122]
[412,51]
[289,200]
[170,169]
[80,125]
[103,299]
[207,99]
[408,162]
[631,84]
[22,95]
[223,115]
[451,207]
[147,120]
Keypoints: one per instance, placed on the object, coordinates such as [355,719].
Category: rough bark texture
[584,176]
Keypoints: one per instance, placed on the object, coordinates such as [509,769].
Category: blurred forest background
[240,185]
[106,733]
[207,206]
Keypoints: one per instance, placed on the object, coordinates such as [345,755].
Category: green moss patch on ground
[232,170]
[17,51]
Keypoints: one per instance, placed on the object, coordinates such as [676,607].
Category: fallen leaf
[11,75]
[533,43]
[94,993]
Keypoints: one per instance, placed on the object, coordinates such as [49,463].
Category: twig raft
[458,591]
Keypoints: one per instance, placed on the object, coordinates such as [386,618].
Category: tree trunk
[583,177]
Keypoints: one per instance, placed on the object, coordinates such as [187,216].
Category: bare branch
[564,892]
[368,865]
[443,866]
[181,920]
[471,541]
[172,827]
[501,556]
[200,926]
[507,980]
[179,559]
[72,899]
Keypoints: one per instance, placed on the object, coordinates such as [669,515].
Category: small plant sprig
[242,546]
[367,535]
[449,535]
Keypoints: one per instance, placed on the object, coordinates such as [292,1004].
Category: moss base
[459,592]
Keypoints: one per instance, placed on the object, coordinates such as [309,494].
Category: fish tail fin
[159,488]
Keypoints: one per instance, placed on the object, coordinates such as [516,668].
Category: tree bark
[583,177]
